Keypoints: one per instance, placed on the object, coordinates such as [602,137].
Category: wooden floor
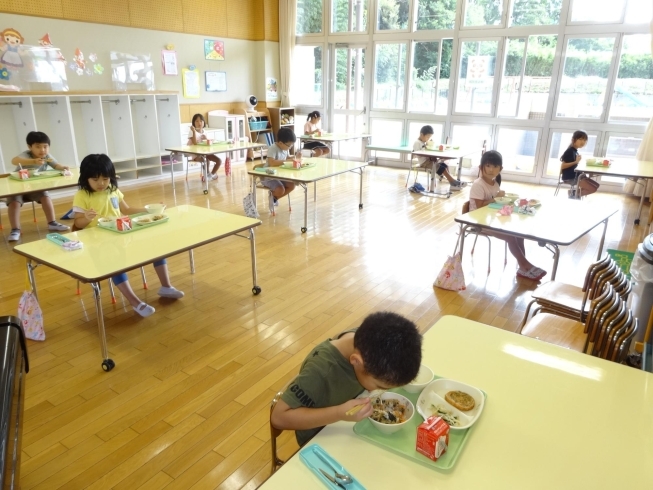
[187,404]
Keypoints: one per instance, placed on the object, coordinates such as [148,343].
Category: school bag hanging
[30,314]
[451,275]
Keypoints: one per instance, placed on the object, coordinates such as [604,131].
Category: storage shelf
[145,167]
[121,159]
[125,170]
[143,157]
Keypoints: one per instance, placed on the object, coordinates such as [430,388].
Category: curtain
[287,21]
[645,151]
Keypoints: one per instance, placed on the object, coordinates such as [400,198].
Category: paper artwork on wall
[216,81]
[12,41]
[190,80]
[169,62]
[271,88]
[213,50]
[82,66]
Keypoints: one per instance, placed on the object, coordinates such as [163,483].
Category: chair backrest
[593,269]
[618,333]
[608,324]
[466,207]
[597,307]
[274,432]
[622,345]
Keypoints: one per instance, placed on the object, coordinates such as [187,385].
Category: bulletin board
[216,81]
[190,81]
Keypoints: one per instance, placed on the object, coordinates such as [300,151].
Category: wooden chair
[470,230]
[277,462]
[622,343]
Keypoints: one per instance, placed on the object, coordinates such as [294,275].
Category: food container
[441,147]
[124,224]
[296,163]
[23,173]
[208,141]
[391,428]
[424,377]
[433,396]
[606,163]
[430,145]
[432,438]
[155,208]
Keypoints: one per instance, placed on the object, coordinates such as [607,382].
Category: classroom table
[324,168]
[106,253]
[204,150]
[330,138]
[403,149]
[556,222]
[553,418]
[629,169]
[448,154]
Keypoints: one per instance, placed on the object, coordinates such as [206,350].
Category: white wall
[247,63]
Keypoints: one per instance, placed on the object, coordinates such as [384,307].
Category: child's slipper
[144,310]
[532,274]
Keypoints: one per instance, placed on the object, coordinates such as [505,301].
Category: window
[639,12]
[476,80]
[585,77]
[435,14]
[518,148]
[387,132]
[621,147]
[597,11]
[389,76]
[483,12]
[429,89]
[350,80]
[309,17]
[307,75]
[349,15]
[527,97]
[392,15]
[560,141]
[472,136]
[632,99]
[535,13]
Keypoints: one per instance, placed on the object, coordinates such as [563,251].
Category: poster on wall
[271,91]
[216,81]
[213,50]
[190,81]
[169,62]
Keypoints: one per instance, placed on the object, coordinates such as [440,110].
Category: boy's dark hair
[197,116]
[426,130]
[286,135]
[391,347]
[34,137]
[579,135]
[96,165]
[492,157]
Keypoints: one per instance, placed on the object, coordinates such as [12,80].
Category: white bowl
[424,377]
[591,161]
[155,208]
[392,428]
[511,196]
[503,200]
[107,223]
[434,394]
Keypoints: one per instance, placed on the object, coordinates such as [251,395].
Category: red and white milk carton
[23,174]
[124,224]
[433,437]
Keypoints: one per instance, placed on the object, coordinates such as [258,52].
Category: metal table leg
[30,275]
[256,289]
[305,227]
[556,257]
[641,201]
[605,229]
[191,258]
[206,174]
[360,200]
[172,171]
[460,167]
[107,364]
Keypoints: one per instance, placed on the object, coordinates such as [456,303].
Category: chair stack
[599,307]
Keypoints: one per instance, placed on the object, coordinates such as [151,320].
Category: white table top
[334,136]
[107,253]
[215,148]
[10,187]
[558,221]
[621,168]
[448,154]
[324,168]
[553,419]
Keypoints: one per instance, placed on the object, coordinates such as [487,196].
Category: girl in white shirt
[483,191]
[311,129]
[195,135]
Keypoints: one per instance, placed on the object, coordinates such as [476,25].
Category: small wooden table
[550,421]
[203,151]
[629,169]
[330,138]
[106,254]
[324,169]
[449,154]
[557,222]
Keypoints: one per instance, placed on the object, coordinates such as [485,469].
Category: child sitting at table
[99,197]
[196,135]
[310,128]
[570,159]
[483,191]
[384,352]
[37,157]
[434,163]
[277,155]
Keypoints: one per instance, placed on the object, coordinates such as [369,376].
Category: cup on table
[296,163]
[208,141]
[430,145]
[155,208]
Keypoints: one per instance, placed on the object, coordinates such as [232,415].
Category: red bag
[227,166]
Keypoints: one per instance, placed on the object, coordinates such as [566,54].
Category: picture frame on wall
[216,81]
[213,50]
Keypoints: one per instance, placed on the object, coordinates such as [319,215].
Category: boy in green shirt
[384,352]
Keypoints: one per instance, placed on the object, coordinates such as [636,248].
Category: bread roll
[461,400]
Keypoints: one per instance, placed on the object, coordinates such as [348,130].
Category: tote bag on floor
[31,316]
[451,275]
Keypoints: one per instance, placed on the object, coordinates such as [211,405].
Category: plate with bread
[460,405]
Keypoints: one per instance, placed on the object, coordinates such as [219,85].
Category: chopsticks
[357,408]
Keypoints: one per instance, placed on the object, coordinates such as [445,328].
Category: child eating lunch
[99,197]
[483,191]
[384,352]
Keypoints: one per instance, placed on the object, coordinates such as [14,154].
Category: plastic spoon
[346,479]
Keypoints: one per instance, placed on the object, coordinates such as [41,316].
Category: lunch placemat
[48,174]
[290,167]
[136,227]
[403,442]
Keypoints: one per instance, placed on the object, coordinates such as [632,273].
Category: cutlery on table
[332,479]
[341,478]
[372,394]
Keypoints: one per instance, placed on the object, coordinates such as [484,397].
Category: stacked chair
[599,307]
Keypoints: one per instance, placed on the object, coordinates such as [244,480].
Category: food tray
[48,174]
[135,227]
[215,143]
[313,462]
[597,164]
[403,442]
[288,166]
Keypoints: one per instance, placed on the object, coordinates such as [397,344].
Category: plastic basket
[258,125]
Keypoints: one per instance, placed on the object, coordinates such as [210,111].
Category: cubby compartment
[52,115]
[118,128]
[88,125]
[146,130]
[16,120]
[168,117]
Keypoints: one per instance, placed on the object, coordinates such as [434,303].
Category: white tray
[434,394]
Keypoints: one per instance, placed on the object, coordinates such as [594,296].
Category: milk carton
[433,437]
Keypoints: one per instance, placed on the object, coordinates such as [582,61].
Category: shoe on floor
[276,201]
[534,273]
[14,236]
[214,176]
[54,226]
[144,310]
[170,292]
